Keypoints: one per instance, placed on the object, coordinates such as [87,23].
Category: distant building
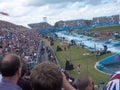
[71,23]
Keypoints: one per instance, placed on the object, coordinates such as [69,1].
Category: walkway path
[44,57]
[49,55]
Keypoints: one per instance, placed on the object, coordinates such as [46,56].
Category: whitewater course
[107,65]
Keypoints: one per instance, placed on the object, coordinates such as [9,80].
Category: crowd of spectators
[97,20]
[6,26]
[102,36]
[76,24]
[46,76]
[25,43]
[106,19]
[19,40]
[41,26]
[71,23]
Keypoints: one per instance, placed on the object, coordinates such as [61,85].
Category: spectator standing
[24,80]
[10,68]
[64,47]
[78,69]
[84,82]
[47,76]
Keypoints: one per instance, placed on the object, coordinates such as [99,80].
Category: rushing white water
[91,43]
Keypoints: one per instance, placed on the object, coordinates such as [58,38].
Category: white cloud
[24,12]
[44,2]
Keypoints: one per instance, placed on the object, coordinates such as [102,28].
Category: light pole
[86,54]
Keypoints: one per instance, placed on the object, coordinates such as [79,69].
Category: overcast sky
[23,12]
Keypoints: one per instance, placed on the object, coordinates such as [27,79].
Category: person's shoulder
[9,86]
[24,84]
[24,81]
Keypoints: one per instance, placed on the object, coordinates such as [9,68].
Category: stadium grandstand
[72,23]
[20,40]
[105,21]
[7,26]
[40,26]
[28,43]
[44,27]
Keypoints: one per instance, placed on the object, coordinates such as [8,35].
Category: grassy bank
[106,29]
[87,63]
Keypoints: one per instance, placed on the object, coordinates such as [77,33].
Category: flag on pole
[4,13]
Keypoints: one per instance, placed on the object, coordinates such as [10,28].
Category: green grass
[76,58]
[106,29]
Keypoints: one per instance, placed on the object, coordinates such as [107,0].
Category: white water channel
[91,43]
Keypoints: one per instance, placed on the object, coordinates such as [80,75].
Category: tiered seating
[105,21]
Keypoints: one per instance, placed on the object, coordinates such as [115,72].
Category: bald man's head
[84,82]
[9,65]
